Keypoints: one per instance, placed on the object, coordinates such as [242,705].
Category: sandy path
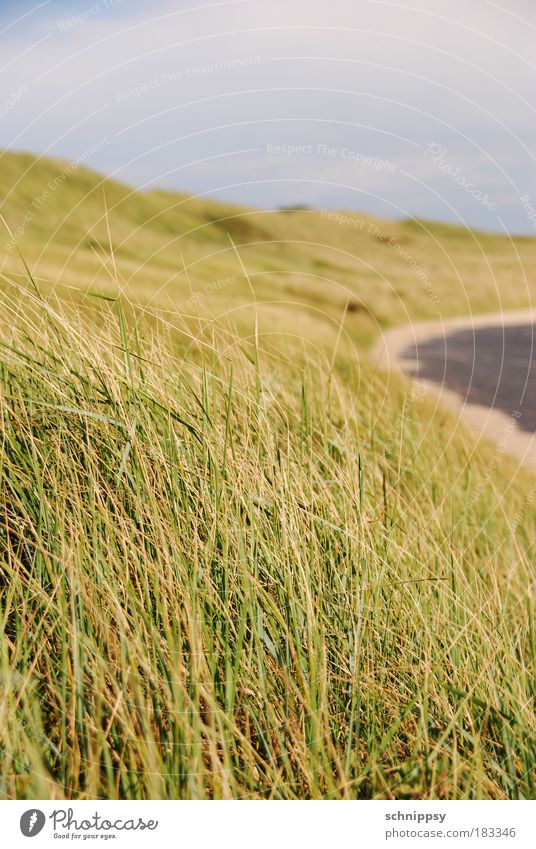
[486,422]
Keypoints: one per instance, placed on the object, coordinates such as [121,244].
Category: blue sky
[422,108]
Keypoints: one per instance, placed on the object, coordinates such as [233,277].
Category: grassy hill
[236,560]
[304,265]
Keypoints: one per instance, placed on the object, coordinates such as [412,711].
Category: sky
[422,108]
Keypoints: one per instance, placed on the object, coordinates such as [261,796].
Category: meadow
[237,559]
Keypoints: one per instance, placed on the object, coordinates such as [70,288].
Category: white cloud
[384,78]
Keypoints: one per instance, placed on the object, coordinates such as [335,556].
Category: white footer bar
[269,825]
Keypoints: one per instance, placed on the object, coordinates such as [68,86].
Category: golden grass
[236,561]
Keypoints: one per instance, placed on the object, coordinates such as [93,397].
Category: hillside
[304,265]
[237,561]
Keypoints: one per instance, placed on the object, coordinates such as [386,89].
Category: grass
[236,562]
[304,265]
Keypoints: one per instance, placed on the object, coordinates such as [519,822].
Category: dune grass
[305,266]
[218,584]
[236,562]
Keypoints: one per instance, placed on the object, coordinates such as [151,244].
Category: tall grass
[231,573]
[305,265]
